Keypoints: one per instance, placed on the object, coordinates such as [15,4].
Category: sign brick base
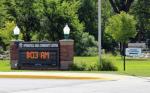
[14,54]
[66,54]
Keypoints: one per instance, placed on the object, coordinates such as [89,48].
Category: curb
[52,76]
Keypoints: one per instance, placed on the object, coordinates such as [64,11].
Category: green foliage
[53,16]
[88,15]
[45,19]
[141,11]
[3,14]
[109,43]
[6,34]
[86,46]
[22,12]
[121,27]
[4,65]
[91,51]
[86,65]
[107,65]
[138,67]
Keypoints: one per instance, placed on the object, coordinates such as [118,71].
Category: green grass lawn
[137,67]
[4,65]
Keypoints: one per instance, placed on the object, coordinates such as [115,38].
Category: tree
[142,12]
[87,46]
[88,15]
[45,19]
[6,34]
[22,12]
[108,43]
[3,14]
[121,5]
[53,16]
[122,27]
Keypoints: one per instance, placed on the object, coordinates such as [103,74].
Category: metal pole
[99,31]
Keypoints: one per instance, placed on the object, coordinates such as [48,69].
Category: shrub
[107,65]
[75,67]
[83,66]
[86,45]
[90,51]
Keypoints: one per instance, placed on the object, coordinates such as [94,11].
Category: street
[124,85]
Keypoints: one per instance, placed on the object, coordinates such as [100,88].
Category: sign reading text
[38,54]
[133,52]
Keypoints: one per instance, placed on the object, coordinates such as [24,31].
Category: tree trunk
[27,37]
[120,48]
[123,5]
[124,55]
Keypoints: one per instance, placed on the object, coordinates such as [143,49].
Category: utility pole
[99,32]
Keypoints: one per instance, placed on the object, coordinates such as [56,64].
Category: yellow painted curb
[53,77]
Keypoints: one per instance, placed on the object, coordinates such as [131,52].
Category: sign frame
[133,52]
[40,48]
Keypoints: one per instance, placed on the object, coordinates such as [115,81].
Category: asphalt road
[125,85]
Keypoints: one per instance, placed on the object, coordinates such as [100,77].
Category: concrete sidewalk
[61,75]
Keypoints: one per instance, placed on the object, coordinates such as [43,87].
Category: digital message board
[38,54]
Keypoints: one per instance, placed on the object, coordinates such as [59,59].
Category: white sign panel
[136,45]
[133,52]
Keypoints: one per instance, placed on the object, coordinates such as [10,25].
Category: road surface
[125,85]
